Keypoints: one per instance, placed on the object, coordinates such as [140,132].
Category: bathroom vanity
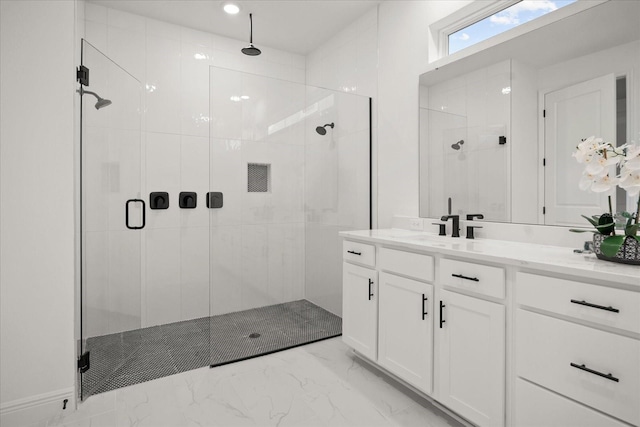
[501,333]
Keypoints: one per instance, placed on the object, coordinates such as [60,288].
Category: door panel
[572,114]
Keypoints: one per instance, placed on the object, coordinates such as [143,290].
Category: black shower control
[188,200]
[214,200]
[159,200]
[502,140]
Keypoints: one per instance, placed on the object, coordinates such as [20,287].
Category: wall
[179,256]
[37,208]
[338,164]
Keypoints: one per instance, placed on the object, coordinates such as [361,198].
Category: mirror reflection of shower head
[322,129]
[457,145]
[251,50]
[101,101]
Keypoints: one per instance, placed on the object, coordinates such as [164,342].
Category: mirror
[498,127]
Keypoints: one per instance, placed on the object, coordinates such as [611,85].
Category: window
[485,26]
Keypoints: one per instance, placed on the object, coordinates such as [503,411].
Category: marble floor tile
[320,384]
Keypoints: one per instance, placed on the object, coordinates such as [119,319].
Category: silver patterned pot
[629,252]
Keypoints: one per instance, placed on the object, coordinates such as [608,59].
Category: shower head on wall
[102,102]
[457,145]
[322,129]
[251,50]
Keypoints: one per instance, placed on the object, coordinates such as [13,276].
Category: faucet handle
[442,231]
[470,217]
[470,229]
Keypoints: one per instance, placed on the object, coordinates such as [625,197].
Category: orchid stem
[638,210]
[611,213]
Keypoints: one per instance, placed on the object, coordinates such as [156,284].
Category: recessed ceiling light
[231,8]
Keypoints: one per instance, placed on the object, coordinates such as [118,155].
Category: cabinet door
[405,345]
[360,309]
[471,350]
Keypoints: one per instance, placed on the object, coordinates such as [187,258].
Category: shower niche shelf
[159,200]
[188,200]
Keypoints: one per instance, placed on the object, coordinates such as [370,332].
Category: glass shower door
[112,219]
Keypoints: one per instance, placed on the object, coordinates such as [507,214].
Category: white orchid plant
[601,160]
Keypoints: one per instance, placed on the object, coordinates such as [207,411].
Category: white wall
[337,164]
[37,208]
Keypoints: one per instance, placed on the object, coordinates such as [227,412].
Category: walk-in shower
[204,250]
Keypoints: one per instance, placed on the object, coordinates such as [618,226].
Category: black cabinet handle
[424,310]
[355,253]
[126,214]
[475,279]
[441,319]
[370,289]
[601,307]
[591,371]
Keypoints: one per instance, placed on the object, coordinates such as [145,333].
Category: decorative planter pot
[629,252]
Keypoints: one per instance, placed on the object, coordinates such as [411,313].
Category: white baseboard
[34,409]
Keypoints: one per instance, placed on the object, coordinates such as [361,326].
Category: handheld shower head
[457,145]
[102,102]
[322,129]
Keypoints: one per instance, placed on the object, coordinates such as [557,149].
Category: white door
[360,309]
[572,114]
[406,329]
[471,342]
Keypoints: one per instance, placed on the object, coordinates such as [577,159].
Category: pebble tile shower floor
[131,357]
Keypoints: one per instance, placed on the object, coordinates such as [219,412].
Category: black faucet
[456,224]
[470,217]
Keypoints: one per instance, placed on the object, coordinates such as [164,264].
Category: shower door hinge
[83,362]
[82,75]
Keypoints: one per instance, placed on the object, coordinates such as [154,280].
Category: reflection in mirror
[521,108]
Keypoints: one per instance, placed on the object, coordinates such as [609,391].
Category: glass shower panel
[113,215]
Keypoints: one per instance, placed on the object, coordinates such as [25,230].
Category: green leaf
[626,214]
[631,230]
[611,245]
[592,221]
[576,230]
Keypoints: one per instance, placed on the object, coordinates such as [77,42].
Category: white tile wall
[172,64]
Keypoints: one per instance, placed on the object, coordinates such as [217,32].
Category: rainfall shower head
[251,50]
[322,129]
[101,101]
[457,145]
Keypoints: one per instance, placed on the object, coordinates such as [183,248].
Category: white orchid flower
[603,183]
[631,183]
[598,164]
[631,160]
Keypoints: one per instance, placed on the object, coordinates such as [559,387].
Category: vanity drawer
[536,407]
[558,355]
[417,266]
[481,279]
[616,308]
[359,252]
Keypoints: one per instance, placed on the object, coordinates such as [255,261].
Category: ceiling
[297,26]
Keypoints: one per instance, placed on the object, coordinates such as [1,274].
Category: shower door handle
[126,214]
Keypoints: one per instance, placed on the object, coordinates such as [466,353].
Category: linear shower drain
[254,335]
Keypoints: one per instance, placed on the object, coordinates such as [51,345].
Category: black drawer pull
[601,307]
[355,253]
[370,289]
[441,319]
[424,310]
[591,371]
[475,279]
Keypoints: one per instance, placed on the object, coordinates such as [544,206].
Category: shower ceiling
[293,26]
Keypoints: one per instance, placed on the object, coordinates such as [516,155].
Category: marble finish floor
[319,384]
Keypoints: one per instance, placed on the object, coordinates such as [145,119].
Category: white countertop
[540,257]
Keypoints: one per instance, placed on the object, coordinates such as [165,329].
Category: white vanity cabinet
[470,339]
[405,324]
[498,333]
[360,300]
[581,343]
